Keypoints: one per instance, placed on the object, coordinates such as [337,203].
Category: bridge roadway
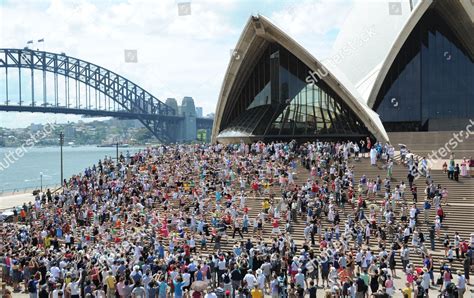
[201,121]
[94,91]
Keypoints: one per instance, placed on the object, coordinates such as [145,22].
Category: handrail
[22,190]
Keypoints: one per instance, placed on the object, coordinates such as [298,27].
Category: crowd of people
[240,220]
[455,171]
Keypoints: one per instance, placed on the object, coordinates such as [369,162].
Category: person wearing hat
[261,279]
[136,275]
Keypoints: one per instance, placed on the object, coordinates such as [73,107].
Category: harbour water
[25,172]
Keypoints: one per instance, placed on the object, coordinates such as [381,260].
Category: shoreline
[79,146]
[21,191]
[10,201]
[28,190]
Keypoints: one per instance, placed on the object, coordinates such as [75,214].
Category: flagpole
[30,42]
[42,40]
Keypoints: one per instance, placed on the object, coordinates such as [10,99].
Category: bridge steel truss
[132,100]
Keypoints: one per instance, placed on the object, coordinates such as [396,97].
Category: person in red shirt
[187,250]
[23,214]
[315,187]
[463,248]
[360,201]
[440,213]
[255,186]
[323,244]
[275,226]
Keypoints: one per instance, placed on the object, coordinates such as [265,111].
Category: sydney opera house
[411,69]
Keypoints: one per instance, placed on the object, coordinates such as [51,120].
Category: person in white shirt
[186,279]
[210,294]
[221,267]
[461,284]
[250,280]
[261,279]
[74,288]
[425,279]
[300,279]
[55,293]
[55,272]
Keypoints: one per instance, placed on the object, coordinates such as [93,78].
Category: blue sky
[177,55]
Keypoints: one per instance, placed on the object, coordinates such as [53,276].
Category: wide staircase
[459,211]
[424,143]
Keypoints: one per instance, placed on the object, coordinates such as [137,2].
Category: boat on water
[124,145]
[72,144]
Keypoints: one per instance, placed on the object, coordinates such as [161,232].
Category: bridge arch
[135,101]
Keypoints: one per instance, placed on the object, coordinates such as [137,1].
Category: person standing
[414,192]
[33,287]
[432,237]
[300,279]
[390,169]
[227,280]
[110,282]
[221,268]
[460,284]
[405,256]
[275,286]
[373,157]
[256,292]
[464,166]
[451,167]
[426,210]
[74,288]
[431,269]
[457,242]
[361,286]
[250,280]
[456,172]
[466,264]
[407,291]
[237,229]
[425,281]
[363,148]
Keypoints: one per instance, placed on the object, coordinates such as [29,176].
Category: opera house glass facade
[276,102]
[431,79]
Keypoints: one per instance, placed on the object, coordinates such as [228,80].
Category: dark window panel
[431,79]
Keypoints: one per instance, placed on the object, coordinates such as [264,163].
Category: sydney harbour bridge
[39,81]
